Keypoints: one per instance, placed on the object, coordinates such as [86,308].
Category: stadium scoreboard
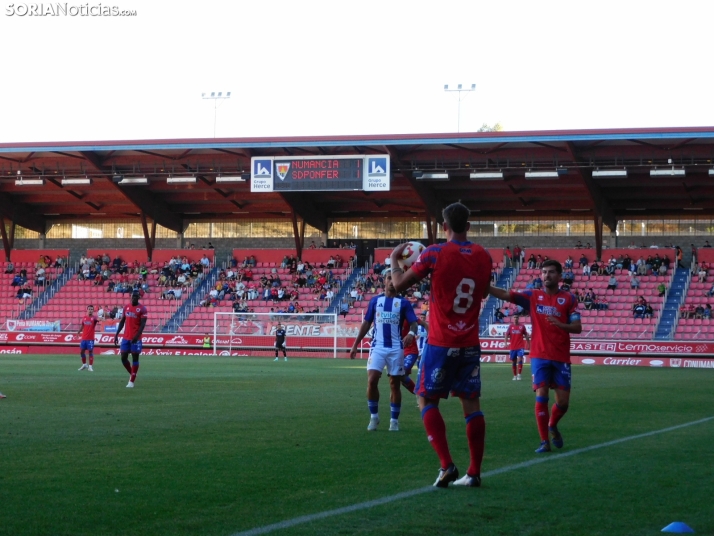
[320,173]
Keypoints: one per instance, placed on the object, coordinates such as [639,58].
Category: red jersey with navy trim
[133,315]
[460,275]
[516,335]
[412,349]
[88,325]
[549,341]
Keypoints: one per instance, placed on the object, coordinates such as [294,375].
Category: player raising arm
[554,316]
[86,330]
[388,312]
[134,316]
[460,274]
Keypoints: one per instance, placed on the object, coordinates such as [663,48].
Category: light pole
[215,96]
[461,90]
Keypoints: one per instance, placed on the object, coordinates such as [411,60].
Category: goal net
[253,334]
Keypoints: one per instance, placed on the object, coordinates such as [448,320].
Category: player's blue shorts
[516,354]
[552,374]
[127,346]
[409,361]
[87,345]
[444,370]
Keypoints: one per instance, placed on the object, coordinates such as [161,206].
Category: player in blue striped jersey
[388,313]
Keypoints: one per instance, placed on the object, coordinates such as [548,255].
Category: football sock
[520,368]
[409,384]
[436,434]
[373,406]
[557,414]
[127,366]
[134,370]
[91,359]
[476,434]
[514,368]
[541,413]
[84,358]
[396,408]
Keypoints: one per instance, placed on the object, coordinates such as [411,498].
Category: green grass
[219,445]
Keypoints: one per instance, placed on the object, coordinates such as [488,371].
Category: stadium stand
[611,314]
[69,303]
[272,270]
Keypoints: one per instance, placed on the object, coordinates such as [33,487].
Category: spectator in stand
[634,282]
[205,261]
[586,270]
[639,309]
[24,293]
[517,255]
[10,268]
[661,289]
[537,282]
[703,272]
[40,277]
[344,308]
[568,264]
[706,244]
[583,260]
[612,283]
[568,276]
[17,281]
[710,293]
[589,300]
[707,311]
[531,262]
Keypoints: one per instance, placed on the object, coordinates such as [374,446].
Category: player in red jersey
[554,316]
[411,352]
[86,330]
[134,316]
[517,335]
[460,274]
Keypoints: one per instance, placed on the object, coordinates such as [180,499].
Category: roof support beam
[301,204]
[426,194]
[21,214]
[150,205]
[147,203]
[600,204]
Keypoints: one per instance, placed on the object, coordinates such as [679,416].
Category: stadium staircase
[488,309]
[173,324]
[675,296]
[49,292]
[334,306]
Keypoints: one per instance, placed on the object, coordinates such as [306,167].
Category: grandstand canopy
[574,193]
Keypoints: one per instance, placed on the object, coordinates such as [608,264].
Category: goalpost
[253,334]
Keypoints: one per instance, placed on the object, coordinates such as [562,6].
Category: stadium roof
[682,186]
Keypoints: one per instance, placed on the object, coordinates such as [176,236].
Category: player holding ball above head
[86,330]
[388,312]
[134,318]
[280,342]
[450,363]
[554,316]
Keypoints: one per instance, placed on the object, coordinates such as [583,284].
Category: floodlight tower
[215,96]
[460,90]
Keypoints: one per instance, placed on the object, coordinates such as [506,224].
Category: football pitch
[225,445]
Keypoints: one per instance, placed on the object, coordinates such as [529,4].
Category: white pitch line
[404,495]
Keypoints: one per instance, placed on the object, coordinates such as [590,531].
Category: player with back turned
[460,274]
[134,318]
[86,330]
[554,316]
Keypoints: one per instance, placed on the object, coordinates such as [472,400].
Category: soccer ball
[411,254]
